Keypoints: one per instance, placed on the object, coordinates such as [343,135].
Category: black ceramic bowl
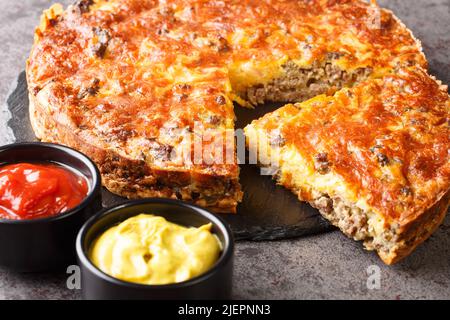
[46,244]
[214,284]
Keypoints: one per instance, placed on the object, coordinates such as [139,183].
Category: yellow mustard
[148,249]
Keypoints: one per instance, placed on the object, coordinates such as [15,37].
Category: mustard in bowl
[148,249]
[174,250]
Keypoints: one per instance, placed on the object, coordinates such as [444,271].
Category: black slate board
[268,211]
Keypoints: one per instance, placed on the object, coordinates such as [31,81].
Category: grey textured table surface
[327,266]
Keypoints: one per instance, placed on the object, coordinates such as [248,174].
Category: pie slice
[373,159]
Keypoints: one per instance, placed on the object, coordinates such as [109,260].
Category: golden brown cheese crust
[113,73]
[388,142]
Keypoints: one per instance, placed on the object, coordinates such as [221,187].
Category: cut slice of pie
[374,159]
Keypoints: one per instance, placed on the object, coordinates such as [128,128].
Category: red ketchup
[30,190]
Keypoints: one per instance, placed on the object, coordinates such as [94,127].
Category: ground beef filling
[299,84]
[355,223]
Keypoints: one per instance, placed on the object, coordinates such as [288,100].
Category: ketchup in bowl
[38,190]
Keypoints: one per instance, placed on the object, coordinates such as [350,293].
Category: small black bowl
[47,244]
[214,284]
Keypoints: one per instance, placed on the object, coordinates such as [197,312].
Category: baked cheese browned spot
[374,159]
[125,81]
